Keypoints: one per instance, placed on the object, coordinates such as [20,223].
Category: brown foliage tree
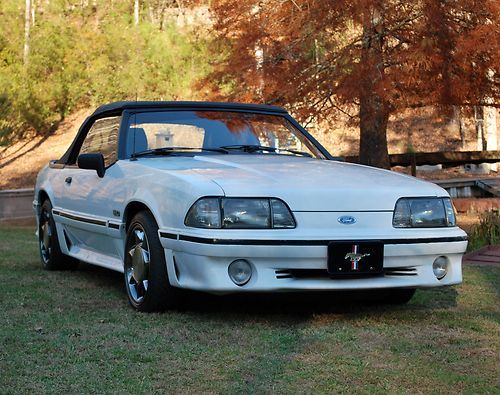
[372,56]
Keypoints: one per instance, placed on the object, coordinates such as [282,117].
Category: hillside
[20,163]
[421,130]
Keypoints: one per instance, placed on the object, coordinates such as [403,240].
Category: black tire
[145,269]
[51,255]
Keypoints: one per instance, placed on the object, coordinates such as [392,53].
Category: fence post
[413,163]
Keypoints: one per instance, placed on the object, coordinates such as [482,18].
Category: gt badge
[355,257]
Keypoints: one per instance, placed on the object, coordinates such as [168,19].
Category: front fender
[169,197]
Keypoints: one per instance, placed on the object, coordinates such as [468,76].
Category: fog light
[440,267]
[240,271]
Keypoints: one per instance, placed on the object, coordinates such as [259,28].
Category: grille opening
[317,274]
[323,273]
[302,273]
[401,271]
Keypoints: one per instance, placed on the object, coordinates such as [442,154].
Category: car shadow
[306,303]
[296,304]
[100,276]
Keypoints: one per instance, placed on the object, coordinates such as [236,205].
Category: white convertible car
[225,198]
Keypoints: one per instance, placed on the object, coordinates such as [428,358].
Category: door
[85,205]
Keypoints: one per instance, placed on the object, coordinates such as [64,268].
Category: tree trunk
[490,129]
[136,12]
[458,119]
[373,116]
[373,110]
[27,24]
[33,15]
[259,60]
[479,122]
[259,63]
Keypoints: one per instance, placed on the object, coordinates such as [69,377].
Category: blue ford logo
[347,220]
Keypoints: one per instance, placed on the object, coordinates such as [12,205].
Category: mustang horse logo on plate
[355,257]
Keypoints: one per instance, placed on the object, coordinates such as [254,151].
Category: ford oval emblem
[347,220]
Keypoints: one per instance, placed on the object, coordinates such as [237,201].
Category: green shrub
[88,54]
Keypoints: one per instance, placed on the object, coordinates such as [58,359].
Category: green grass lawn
[73,332]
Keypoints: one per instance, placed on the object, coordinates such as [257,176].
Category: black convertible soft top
[117,108]
[132,105]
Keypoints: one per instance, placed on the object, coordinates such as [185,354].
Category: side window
[103,137]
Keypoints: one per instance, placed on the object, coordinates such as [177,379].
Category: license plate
[355,257]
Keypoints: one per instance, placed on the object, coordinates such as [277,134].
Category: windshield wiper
[171,150]
[254,148]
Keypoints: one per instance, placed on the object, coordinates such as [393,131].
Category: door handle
[68,180]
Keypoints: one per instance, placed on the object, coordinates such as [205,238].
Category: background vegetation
[359,61]
[486,232]
[366,59]
[87,53]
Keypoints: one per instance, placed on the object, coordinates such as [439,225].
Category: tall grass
[487,232]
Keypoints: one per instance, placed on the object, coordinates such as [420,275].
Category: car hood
[305,184]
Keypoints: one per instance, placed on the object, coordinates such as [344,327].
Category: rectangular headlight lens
[246,213]
[239,213]
[423,213]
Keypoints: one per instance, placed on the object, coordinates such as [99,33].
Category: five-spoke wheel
[50,251]
[137,269]
[45,239]
[145,270]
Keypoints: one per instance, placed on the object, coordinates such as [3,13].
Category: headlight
[240,213]
[246,213]
[423,213]
[205,213]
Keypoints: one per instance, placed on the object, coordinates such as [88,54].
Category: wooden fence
[446,158]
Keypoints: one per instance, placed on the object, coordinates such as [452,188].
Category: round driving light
[240,271]
[440,267]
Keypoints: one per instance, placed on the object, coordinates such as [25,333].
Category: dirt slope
[20,163]
[421,130]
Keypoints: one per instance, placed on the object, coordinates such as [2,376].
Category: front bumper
[301,265]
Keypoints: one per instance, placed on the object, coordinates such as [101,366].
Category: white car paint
[317,191]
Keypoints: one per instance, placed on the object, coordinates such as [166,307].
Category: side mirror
[92,162]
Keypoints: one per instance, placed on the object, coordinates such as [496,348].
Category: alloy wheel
[138,260]
[45,236]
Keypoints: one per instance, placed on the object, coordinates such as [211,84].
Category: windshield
[215,133]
